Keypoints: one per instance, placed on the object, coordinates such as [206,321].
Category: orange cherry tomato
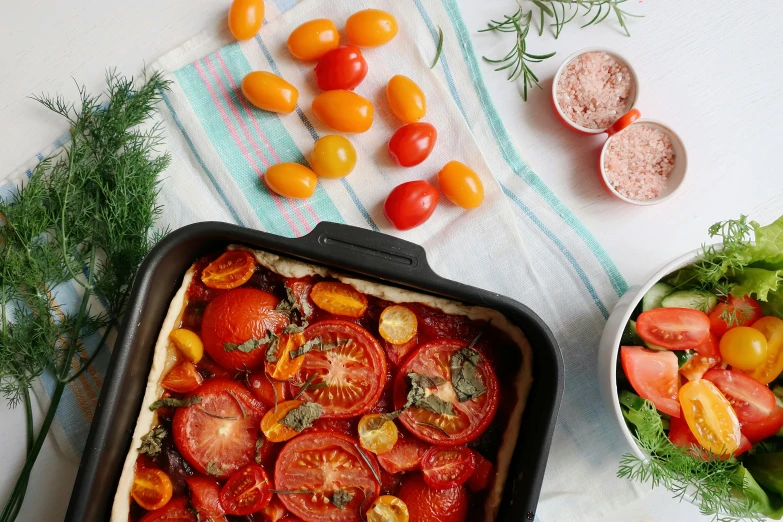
[388,508]
[344,111]
[338,299]
[406,99]
[152,489]
[291,180]
[333,157]
[269,92]
[397,324]
[285,367]
[232,269]
[371,28]
[183,378]
[273,430]
[313,39]
[189,343]
[772,329]
[377,439]
[710,417]
[245,18]
[461,185]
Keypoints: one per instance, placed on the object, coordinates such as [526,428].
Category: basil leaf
[152,442]
[313,343]
[271,349]
[303,416]
[171,402]
[417,396]
[214,469]
[325,347]
[259,445]
[289,304]
[341,498]
[378,422]
[463,375]
[251,344]
[293,328]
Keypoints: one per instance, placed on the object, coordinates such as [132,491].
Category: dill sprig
[555,14]
[84,217]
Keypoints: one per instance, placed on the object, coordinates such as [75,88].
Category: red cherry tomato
[411,204]
[426,504]
[205,498]
[341,68]
[175,511]
[758,431]
[183,378]
[218,430]
[445,467]
[680,434]
[674,328]
[746,310]
[246,492]
[411,144]
[653,375]
[751,400]
[406,455]
[710,347]
[482,475]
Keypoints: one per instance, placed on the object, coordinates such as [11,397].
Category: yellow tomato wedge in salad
[772,329]
[710,417]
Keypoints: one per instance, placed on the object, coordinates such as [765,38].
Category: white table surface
[710,70]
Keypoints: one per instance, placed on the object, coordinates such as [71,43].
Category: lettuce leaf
[755,281]
[771,507]
[769,244]
[773,305]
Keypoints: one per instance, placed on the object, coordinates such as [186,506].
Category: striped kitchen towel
[522,242]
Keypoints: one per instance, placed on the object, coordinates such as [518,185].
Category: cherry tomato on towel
[313,39]
[411,204]
[245,18]
[411,144]
[371,28]
[269,92]
[341,68]
[333,157]
[461,185]
[406,99]
[344,111]
[291,180]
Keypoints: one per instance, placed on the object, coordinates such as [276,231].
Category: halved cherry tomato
[205,498]
[285,367]
[344,111]
[325,463]
[695,367]
[470,418]
[653,375]
[291,180]
[371,28]
[189,343]
[183,378]
[426,504]
[266,391]
[246,492]
[680,435]
[406,454]
[744,310]
[354,370]
[397,324]
[744,347]
[341,68]
[772,330]
[674,328]
[447,467]
[387,508]
[411,204]
[274,511]
[710,347]
[269,92]
[152,488]
[338,299]
[245,18]
[710,417]
[333,157]
[273,430]
[751,400]
[221,430]
[377,439]
[482,475]
[232,269]
[461,185]
[758,431]
[175,511]
[313,39]
[236,317]
[413,143]
[406,99]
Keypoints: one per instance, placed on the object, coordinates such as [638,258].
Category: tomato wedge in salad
[772,329]
[744,310]
[674,328]
[758,431]
[751,400]
[653,375]
[710,417]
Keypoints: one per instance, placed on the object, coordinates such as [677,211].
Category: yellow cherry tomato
[388,508]
[273,430]
[189,343]
[377,435]
[406,99]
[333,157]
[291,180]
[397,324]
[245,18]
[772,329]
[744,348]
[710,417]
[152,489]
[461,185]
[269,92]
[313,39]
[344,111]
[370,28]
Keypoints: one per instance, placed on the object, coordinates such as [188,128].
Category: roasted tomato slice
[653,376]
[350,369]
[426,504]
[175,511]
[183,378]
[246,492]
[236,318]
[324,464]
[151,489]
[405,455]
[447,467]
[205,498]
[285,367]
[751,400]
[674,328]
[338,299]
[220,432]
[232,269]
[470,418]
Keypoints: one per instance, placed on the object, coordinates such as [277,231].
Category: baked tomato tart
[283,391]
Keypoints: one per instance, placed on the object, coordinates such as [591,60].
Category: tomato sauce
[495,347]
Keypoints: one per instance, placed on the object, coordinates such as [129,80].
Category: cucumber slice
[631,336]
[695,299]
[652,299]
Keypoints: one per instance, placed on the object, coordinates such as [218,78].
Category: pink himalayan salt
[593,90]
[638,162]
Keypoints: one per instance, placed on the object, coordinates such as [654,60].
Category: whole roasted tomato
[426,504]
[341,68]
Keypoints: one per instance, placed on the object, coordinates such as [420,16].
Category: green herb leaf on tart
[289,304]
[325,347]
[378,422]
[463,375]
[292,491]
[253,344]
[171,402]
[259,445]
[314,343]
[214,469]
[306,385]
[418,396]
[151,443]
[271,349]
[303,416]
[293,328]
[368,463]
[341,498]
